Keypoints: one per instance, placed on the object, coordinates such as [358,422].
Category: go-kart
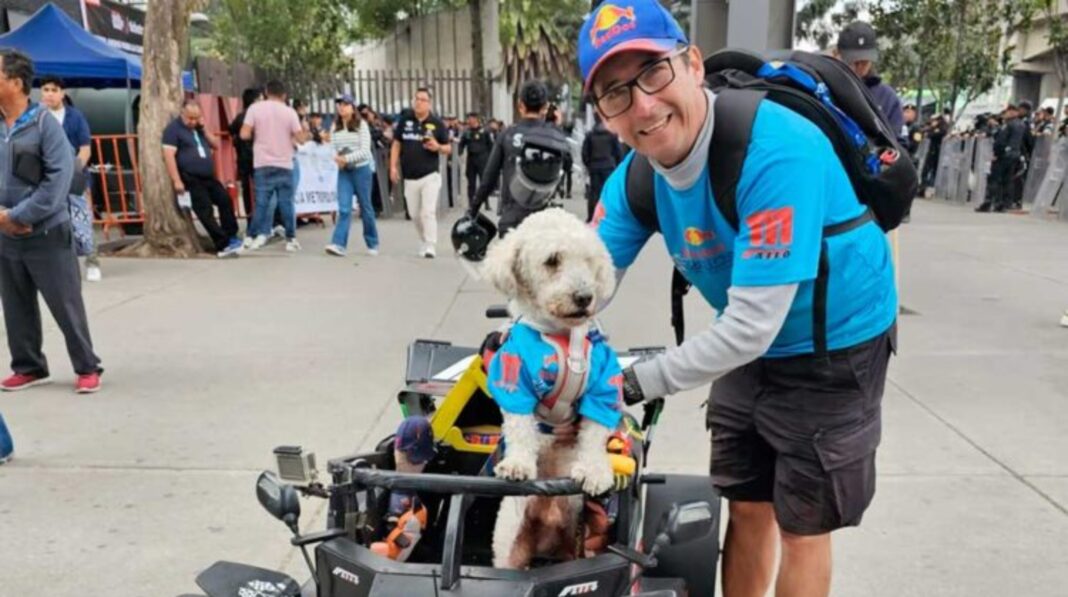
[664,541]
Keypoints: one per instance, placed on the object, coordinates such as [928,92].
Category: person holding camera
[352,144]
[187,150]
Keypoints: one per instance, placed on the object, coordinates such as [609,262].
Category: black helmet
[471,236]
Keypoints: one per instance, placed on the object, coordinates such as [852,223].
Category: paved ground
[211,363]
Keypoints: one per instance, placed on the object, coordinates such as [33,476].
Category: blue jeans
[356,180]
[6,445]
[274,188]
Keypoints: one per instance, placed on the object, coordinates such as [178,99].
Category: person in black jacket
[601,153]
[1019,172]
[244,148]
[936,131]
[1008,148]
[478,144]
[503,162]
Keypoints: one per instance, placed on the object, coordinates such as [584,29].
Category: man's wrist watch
[632,390]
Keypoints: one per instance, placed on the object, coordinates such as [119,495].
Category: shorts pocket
[847,455]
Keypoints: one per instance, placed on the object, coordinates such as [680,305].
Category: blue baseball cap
[416,439]
[612,28]
[345,98]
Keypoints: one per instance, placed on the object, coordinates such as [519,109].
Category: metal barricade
[116,186]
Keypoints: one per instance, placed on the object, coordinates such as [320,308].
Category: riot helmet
[471,236]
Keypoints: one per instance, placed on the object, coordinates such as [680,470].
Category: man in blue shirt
[187,150]
[799,375]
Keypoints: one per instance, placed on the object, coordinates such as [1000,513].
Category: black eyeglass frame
[634,82]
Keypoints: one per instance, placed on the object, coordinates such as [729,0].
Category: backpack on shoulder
[826,92]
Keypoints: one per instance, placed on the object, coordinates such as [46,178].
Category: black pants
[473,172]
[1001,184]
[930,169]
[448,181]
[208,194]
[597,180]
[247,197]
[376,194]
[44,263]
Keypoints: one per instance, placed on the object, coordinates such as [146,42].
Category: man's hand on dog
[632,390]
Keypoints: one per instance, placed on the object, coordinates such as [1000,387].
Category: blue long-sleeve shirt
[42,205]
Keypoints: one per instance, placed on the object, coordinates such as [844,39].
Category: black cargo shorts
[801,432]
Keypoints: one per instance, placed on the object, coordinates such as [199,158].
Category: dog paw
[596,479]
[516,469]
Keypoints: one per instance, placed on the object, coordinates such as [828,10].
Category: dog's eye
[553,261]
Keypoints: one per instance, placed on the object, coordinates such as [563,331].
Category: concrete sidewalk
[210,364]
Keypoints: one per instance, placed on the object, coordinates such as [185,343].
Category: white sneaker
[247,243]
[372,252]
[257,243]
[332,249]
[93,274]
[429,251]
[1064,319]
[279,231]
[292,246]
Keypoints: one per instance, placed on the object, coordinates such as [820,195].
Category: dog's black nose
[582,299]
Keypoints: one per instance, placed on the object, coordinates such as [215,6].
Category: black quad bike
[664,541]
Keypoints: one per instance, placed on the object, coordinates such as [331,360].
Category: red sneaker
[21,381]
[87,384]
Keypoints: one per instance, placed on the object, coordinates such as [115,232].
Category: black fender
[226,579]
[694,562]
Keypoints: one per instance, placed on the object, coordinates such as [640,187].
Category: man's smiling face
[664,125]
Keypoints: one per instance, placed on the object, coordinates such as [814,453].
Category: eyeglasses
[652,79]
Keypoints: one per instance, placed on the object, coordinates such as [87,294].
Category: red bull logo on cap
[610,21]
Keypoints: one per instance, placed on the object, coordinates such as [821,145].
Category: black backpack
[827,93]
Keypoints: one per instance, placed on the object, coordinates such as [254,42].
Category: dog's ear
[499,266]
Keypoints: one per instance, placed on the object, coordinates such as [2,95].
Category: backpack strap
[735,112]
[641,195]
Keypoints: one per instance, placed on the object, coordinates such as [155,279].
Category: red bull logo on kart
[610,21]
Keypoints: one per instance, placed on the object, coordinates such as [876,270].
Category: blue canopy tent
[59,46]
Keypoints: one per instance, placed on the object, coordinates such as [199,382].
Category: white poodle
[552,371]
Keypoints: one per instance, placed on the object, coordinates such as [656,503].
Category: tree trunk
[478,77]
[168,233]
[919,93]
[956,62]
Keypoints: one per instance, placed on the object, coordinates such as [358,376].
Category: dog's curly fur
[545,266]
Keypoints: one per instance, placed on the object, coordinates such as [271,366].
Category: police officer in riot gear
[529,156]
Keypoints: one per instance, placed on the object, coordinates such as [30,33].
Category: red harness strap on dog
[559,406]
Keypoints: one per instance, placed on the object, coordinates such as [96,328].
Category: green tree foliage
[539,39]
[298,42]
[818,24]
[958,49]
